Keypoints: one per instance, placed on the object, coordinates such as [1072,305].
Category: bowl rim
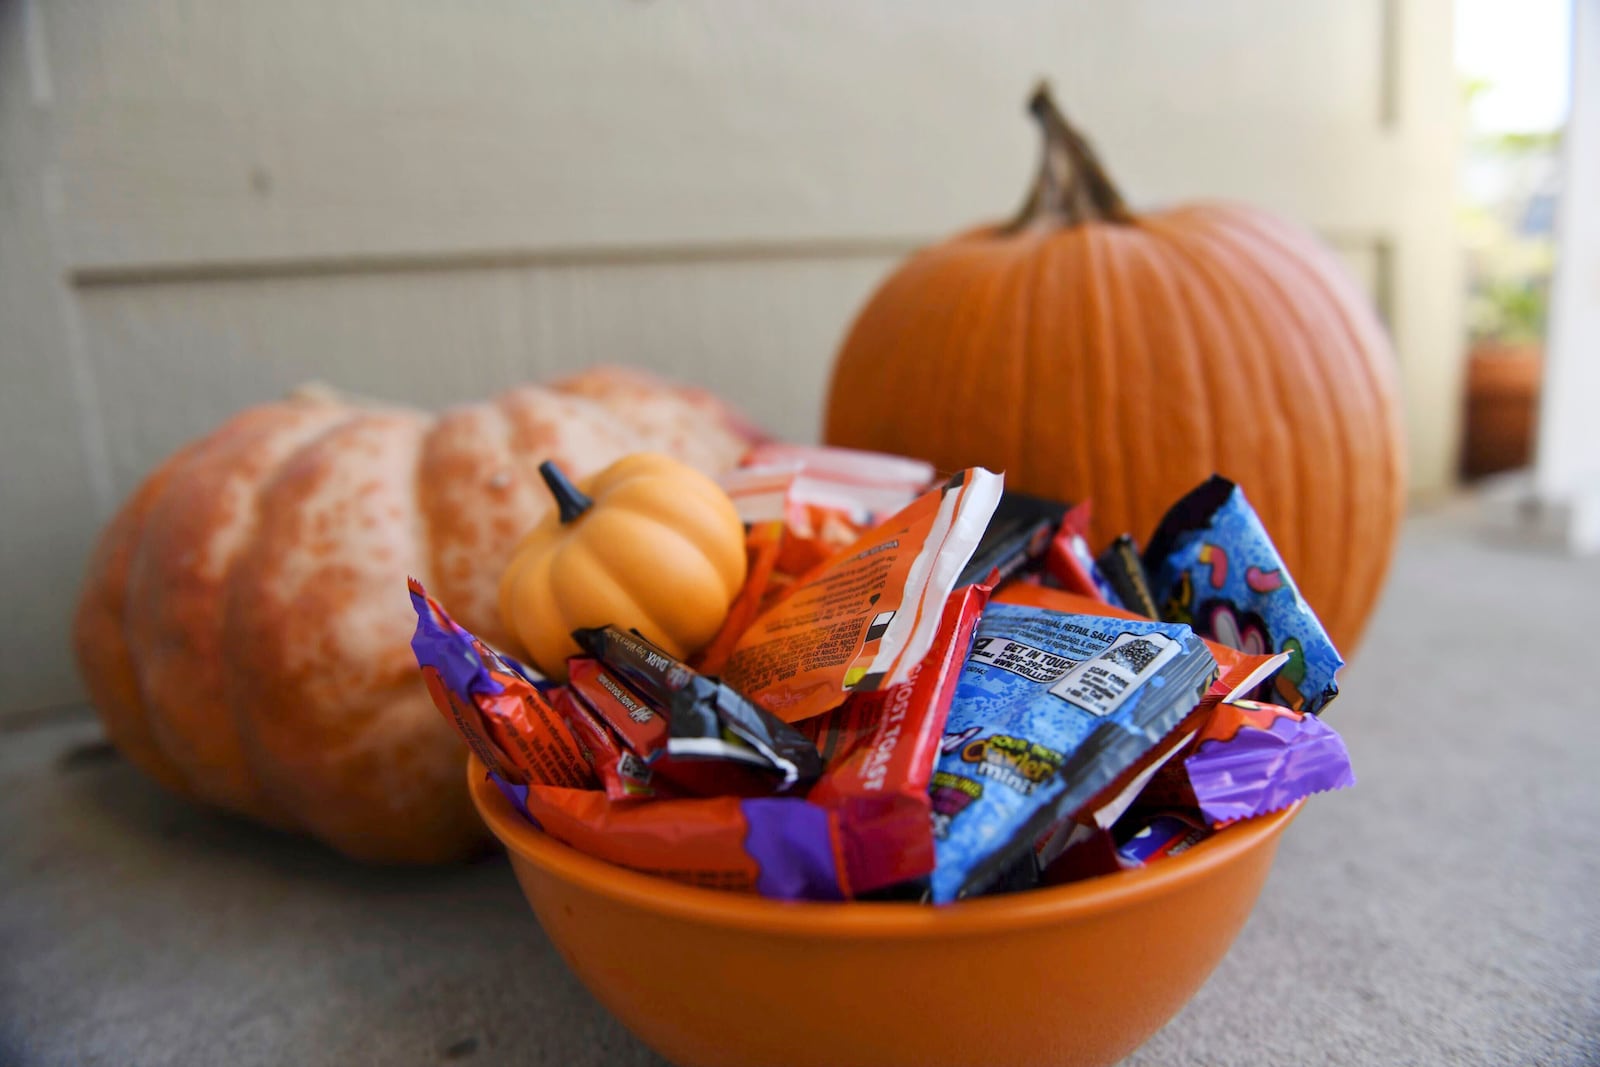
[855,919]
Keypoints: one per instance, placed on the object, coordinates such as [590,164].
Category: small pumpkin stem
[569,499]
[1072,186]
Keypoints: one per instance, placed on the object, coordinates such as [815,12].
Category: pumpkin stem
[569,499]
[1072,186]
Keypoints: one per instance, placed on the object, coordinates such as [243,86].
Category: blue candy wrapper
[1159,836]
[1212,566]
[1052,709]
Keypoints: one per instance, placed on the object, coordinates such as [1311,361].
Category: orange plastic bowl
[1075,974]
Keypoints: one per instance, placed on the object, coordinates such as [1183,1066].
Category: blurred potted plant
[1510,256]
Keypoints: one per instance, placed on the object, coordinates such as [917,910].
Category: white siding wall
[206,203]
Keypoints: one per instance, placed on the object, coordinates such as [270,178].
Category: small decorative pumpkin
[1091,352]
[245,630]
[648,544]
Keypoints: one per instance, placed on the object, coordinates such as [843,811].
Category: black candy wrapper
[705,718]
[1125,573]
[1017,536]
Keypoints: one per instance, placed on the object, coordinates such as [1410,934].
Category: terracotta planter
[1502,407]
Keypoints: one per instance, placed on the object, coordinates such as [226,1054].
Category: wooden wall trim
[289,267]
[223,270]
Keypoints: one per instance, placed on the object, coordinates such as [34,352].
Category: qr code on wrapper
[1135,655]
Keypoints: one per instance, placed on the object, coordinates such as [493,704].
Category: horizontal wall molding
[250,270]
[754,251]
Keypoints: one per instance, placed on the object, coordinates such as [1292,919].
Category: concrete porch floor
[1446,910]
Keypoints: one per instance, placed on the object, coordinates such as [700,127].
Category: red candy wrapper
[640,726]
[1070,562]
[880,749]
[623,775]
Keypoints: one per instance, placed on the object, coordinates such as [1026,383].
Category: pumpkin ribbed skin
[1125,361]
[245,631]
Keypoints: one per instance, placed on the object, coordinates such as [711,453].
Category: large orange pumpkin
[244,630]
[1092,352]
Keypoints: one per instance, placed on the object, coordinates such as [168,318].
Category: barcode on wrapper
[1100,684]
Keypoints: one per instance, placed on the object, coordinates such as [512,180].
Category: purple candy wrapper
[1253,758]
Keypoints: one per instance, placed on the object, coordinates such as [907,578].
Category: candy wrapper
[764,583]
[637,722]
[1139,840]
[1051,709]
[1069,562]
[623,775]
[823,498]
[781,847]
[493,703]
[1078,852]
[1213,566]
[1251,759]
[880,749]
[642,727]
[1124,573]
[863,620]
[705,718]
[854,747]
[779,481]
[1018,535]
[1238,673]
[1158,836]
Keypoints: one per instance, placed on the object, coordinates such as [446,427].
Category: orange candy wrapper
[801,506]
[763,546]
[495,708]
[864,619]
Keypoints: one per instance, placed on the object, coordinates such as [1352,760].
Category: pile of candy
[917,693]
